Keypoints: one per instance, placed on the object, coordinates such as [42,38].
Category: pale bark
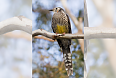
[16,23]
[22,35]
[99,32]
[57,36]
[90,33]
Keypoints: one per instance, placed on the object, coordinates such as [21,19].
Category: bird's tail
[68,61]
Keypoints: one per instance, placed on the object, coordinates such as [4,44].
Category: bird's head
[57,9]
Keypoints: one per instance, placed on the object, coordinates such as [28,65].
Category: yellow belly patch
[61,29]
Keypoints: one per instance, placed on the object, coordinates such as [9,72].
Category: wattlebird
[61,25]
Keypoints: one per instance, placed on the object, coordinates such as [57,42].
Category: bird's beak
[51,10]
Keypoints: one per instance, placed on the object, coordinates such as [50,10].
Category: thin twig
[45,38]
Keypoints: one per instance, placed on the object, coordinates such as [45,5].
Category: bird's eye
[56,8]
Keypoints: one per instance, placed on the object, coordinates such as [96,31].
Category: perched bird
[61,25]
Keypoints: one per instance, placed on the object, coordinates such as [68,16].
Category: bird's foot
[63,33]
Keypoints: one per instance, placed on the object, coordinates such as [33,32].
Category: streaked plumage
[61,24]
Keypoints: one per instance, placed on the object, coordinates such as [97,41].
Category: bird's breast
[60,23]
[61,29]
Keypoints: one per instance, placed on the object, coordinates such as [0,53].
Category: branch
[90,33]
[99,32]
[56,36]
[16,23]
[19,35]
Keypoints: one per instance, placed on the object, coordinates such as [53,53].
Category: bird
[61,25]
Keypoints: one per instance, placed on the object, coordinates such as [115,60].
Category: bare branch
[56,36]
[19,35]
[99,32]
[16,23]
[90,33]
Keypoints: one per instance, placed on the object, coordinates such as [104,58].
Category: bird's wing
[69,25]
[53,24]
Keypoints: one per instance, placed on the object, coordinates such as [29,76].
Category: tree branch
[45,38]
[19,35]
[99,32]
[16,23]
[90,33]
[56,36]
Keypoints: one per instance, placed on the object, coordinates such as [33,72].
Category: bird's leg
[60,34]
[55,36]
[64,33]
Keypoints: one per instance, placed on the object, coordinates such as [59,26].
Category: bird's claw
[60,34]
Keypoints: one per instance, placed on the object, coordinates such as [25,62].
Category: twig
[42,37]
